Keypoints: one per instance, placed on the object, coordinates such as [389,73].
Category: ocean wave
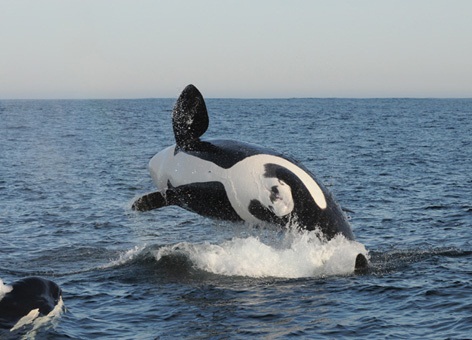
[125,257]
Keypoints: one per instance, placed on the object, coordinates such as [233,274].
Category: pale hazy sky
[245,48]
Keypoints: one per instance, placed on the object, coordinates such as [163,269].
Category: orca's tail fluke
[153,200]
[189,117]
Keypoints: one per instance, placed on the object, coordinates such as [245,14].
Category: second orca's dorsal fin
[189,117]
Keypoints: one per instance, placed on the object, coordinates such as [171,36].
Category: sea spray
[4,289]
[298,254]
[125,257]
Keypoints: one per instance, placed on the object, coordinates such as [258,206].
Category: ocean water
[69,171]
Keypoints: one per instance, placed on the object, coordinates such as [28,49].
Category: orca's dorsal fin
[189,117]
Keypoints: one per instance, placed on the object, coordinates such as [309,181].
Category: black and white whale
[235,181]
[27,299]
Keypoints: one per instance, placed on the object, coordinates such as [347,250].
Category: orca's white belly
[243,182]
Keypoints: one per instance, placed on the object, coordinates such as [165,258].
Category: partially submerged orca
[30,297]
[236,181]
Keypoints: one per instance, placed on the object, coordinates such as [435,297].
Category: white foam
[296,255]
[39,322]
[125,257]
[27,319]
[4,289]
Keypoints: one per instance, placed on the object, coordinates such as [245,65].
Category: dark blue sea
[402,168]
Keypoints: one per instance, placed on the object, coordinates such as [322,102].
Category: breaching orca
[235,181]
[30,297]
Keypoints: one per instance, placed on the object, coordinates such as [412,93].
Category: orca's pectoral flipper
[189,117]
[153,200]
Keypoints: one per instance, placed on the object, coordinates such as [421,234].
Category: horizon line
[233,98]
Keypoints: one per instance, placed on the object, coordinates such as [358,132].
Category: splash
[125,257]
[4,289]
[36,322]
[295,255]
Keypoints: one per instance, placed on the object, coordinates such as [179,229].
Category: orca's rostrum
[236,181]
